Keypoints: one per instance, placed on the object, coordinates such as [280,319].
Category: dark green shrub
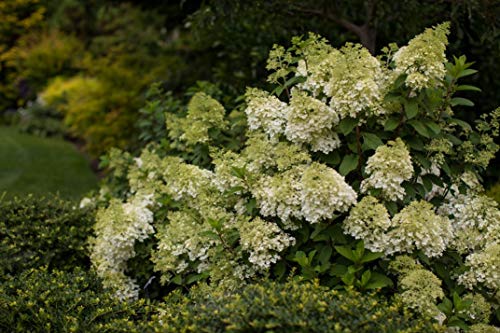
[58,301]
[42,231]
[494,192]
[289,307]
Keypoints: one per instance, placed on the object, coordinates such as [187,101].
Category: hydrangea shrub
[350,163]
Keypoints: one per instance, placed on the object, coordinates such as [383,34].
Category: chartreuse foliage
[288,307]
[37,232]
[40,300]
[351,162]
[17,17]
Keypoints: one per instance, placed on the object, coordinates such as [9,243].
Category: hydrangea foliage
[347,147]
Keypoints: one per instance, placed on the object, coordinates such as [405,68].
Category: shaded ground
[30,164]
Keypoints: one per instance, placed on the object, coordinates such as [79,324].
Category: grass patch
[30,164]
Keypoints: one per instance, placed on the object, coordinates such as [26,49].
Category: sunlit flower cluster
[311,121]
[479,311]
[422,60]
[419,288]
[369,221]
[314,192]
[117,229]
[181,245]
[263,241]
[387,169]
[415,227]
[418,227]
[265,112]
[475,220]
[204,113]
[356,82]
[484,268]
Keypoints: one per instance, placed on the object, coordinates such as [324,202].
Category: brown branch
[366,33]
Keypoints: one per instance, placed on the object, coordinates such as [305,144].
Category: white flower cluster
[187,181]
[356,82]
[415,227]
[117,229]
[324,191]
[475,219]
[266,112]
[419,288]
[204,113]
[351,78]
[263,240]
[484,268]
[262,154]
[388,168]
[311,121]
[313,192]
[418,227]
[181,244]
[306,120]
[423,59]
[369,221]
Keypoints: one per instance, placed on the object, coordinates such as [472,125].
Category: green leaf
[378,281]
[446,306]
[371,141]
[419,127]
[194,278]
[346,125]
[467,87]
[279,269]
[411,109]
[392,207]
[216,224]
[348,279]
[301,259]
[365,277]
[433,126]
[370,256]
[427,183]
[177,280]
[325,254]
[317,230]
[461,101]
[391,124]
[251,205]
[465,125]
[466,72]
[349,163]
[238,172]
[399,81]
[294,80]
[422,159]
[345,252]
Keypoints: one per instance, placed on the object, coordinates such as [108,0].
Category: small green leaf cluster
[293,306]
[38,232]
[40,300]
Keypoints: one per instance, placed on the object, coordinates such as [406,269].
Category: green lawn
[30,164]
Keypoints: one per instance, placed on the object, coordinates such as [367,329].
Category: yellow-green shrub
[288,307]
[17,17]
[40,300]
[38,57]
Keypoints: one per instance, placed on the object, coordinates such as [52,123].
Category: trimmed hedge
[288,307]
[42,301]
[42,231]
